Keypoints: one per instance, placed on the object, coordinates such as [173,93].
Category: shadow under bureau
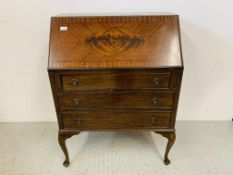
[114,73]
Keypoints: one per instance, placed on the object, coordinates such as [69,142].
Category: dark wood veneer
[115,73]
[116,100]
[115,120]
[109,80]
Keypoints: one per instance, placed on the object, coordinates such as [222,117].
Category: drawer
[128,80]
[125,100]
[114,120]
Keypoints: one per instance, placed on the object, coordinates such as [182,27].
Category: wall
[207,90]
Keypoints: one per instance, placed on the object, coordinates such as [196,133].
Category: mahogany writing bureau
[112,73]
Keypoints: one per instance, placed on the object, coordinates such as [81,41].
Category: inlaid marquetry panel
[113,42]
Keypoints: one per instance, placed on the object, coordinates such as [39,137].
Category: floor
[201,148]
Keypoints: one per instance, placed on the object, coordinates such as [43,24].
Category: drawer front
[116,81]
[114,120]
[126,100]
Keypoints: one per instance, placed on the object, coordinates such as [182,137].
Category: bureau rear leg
[171,136]
[62,142]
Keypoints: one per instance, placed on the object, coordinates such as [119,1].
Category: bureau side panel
[54,83]
[176,85]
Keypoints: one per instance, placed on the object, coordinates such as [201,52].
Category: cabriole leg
[62,142]
[171,136]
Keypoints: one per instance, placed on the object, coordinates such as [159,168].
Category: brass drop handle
[76,101]
[154,120]
[156,81]
[78,120]
[155,100]
[74,81]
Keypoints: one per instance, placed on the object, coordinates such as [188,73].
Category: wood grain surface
[115,120]
[111,80]
[116,100]
[114,42]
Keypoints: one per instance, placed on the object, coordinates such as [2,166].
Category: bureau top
[108,42]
